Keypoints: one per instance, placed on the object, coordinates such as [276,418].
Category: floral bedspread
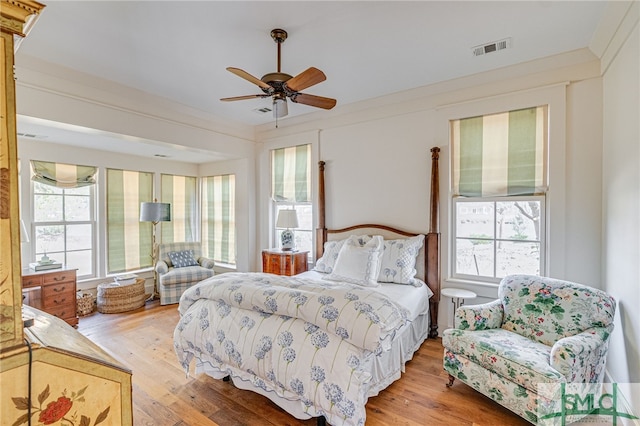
[303,339]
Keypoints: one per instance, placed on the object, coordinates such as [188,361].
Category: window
[129,241]
[180,192]
[291,188]
[219,218]
[499,183]
[64,214]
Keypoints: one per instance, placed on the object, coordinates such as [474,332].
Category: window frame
[92,221]
[495,279]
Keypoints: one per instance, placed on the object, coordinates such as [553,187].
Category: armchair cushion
[510,355]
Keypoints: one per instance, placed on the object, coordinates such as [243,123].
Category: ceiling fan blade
[305,79]
[313,100]
[241,98]
[249,77]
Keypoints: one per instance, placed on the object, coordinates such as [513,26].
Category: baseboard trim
[625,403]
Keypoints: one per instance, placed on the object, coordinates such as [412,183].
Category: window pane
[518,220]
[49,239]
[41,188]
[77,208]
[517,258]
[47,208]
[81,260]
[474,257]
[82,190]
[474,219]
[79,237]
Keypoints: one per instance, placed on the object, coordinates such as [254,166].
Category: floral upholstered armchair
[540,332]
[179,266]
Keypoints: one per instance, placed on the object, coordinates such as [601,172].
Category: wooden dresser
[276,261]
[56,295]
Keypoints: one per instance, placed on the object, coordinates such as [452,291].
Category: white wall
[621,201]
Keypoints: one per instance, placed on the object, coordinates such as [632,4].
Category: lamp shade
[155,212]
[287,219]
[280,108]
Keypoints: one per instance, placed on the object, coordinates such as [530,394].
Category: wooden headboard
[428,261]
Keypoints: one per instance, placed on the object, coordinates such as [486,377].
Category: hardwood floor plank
[163,395]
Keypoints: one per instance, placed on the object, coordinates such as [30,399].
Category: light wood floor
[162,395]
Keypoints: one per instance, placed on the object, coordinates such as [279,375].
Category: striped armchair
[172,280]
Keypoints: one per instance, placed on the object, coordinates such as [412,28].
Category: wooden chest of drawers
[57,292]
[275,261]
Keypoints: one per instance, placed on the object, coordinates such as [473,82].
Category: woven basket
[114,299]
[85,302]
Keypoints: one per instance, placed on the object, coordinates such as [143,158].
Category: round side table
[458,297]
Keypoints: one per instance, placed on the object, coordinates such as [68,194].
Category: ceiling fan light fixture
[280,108]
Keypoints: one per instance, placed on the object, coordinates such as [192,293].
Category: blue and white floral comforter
[303,339]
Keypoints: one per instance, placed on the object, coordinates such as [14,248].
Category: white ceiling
[179,50]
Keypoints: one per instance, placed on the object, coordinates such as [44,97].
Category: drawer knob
[59,289]
[62,278]
[59,302]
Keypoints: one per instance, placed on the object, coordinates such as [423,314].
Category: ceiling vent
[494,46]
[263,110]
[28,135]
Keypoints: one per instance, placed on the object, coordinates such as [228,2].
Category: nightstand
[276,261]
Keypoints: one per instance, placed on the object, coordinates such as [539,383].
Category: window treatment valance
[500,154]
[291,174]
[63,175]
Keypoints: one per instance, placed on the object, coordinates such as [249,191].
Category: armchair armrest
[479,317]
[206,262]
[162,267]
[570,355]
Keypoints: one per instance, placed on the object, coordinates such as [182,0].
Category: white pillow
[359,263]
[399,260]
[330,254]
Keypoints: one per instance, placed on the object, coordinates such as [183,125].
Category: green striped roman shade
[219,218]
[291,174]
[500,154]
[180,192]
[63,175]
[129,241]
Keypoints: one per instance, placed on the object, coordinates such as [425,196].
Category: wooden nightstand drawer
[58,294]
[284,262]
[31,281]
[59,277]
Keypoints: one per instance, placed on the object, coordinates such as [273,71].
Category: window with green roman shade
[63,175]
[501,154]
[291,174]
[181,193]
[129,241]
[219,218]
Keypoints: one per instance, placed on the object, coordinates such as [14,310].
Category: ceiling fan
[280,86]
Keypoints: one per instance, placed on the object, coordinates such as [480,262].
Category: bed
[319,344]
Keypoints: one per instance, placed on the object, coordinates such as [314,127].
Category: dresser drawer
[63,312]
[59,277]
[59,294]
[31,281]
